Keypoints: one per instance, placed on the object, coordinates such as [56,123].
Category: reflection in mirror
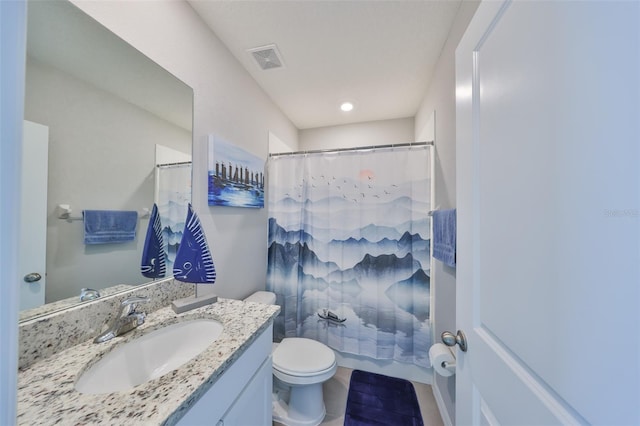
[112,114]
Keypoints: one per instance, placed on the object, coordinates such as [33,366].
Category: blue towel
[153,263]
[194,263]
[444,236]
[109,226]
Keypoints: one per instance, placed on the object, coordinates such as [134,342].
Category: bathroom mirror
[108,108]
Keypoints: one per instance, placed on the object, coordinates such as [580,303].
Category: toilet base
[304,408]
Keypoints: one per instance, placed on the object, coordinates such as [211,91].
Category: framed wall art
[236,177]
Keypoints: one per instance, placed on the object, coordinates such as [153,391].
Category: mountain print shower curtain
[349,233]
[173,195]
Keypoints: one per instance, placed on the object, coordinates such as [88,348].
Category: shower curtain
[172,196]
[350,232]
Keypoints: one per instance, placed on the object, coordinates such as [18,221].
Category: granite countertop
[46,393]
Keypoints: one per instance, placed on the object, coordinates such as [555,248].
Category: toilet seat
[298,361]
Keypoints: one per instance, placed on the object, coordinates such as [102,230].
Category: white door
[548,190]
[33,215]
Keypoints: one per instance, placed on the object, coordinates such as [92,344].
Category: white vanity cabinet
[242,394]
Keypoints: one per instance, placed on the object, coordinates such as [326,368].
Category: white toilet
[300,367]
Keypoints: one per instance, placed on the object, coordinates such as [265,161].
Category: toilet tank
[266,297]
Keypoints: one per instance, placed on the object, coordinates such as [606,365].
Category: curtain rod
[359,148]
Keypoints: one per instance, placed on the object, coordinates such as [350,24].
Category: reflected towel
[109,226]
[444,236]
[194,263]
[153,263]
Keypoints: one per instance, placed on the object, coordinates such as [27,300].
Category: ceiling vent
[267,57]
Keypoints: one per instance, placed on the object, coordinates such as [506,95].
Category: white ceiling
[378,54]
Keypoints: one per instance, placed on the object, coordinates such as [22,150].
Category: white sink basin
[149,356]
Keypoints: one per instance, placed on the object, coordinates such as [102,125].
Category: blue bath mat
[375,399]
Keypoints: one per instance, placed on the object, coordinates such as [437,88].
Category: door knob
[32,277]
[450,339]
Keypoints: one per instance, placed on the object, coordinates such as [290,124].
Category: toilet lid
[300,356]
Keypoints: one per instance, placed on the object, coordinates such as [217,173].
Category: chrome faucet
[88,294]
[126,320]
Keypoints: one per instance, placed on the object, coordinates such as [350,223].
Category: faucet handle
[129,304]
[135,299]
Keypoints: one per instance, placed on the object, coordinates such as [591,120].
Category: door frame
[13,34]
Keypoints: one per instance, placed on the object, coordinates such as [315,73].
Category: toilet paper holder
[451,366]
[442,360]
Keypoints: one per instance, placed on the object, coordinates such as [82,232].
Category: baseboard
[388,368]
[446,420]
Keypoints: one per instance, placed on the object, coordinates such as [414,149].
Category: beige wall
[381,132]
[101,156]
[228,103]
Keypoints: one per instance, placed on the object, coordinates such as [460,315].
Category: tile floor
[335,399]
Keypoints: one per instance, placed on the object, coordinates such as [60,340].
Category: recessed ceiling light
[346,106]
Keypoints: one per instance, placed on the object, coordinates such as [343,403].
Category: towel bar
[63,211]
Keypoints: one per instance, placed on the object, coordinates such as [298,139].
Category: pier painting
[236,177]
